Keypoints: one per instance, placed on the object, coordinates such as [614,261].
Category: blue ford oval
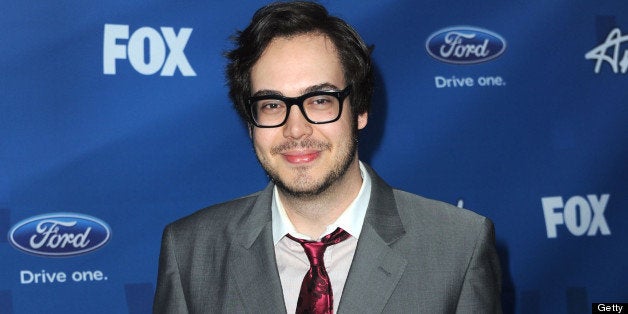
[59,234]
[465,45]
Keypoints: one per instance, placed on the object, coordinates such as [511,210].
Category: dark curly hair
[285,19]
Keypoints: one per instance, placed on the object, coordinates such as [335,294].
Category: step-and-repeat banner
[114,121]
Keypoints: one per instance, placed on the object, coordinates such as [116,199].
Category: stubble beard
[304,186]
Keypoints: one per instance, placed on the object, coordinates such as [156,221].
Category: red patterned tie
[316,295]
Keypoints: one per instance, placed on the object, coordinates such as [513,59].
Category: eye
[320,102]
[270,106]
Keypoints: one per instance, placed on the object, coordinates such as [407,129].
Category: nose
[296,126]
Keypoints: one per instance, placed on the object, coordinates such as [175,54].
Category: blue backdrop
[114,121]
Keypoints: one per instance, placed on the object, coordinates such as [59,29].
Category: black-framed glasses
[319,107]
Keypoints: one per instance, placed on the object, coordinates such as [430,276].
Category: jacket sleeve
[481,289]
[169,296]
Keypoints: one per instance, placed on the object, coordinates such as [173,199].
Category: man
[302,81]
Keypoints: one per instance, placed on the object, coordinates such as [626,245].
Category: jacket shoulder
[413,207]
[222,216]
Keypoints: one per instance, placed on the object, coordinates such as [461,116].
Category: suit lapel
[253,260]
[376,268]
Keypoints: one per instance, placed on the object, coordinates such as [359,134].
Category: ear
[363,120]
[250,125]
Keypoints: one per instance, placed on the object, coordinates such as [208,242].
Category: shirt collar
[350,220]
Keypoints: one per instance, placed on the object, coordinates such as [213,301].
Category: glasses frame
[299,101]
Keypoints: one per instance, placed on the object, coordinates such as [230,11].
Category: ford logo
[59,234]
[465,45]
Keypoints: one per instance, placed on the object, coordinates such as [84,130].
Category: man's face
[304,159]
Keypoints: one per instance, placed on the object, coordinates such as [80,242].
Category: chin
[302,192]
[303,185]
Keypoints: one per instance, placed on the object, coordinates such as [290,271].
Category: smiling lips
[300,157]
[300,152]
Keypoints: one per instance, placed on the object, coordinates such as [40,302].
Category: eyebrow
[314,88]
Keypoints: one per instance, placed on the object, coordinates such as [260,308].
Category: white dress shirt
[292,262]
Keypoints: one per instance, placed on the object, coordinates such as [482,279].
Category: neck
[311,215]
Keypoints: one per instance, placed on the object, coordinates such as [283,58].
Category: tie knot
[315,250]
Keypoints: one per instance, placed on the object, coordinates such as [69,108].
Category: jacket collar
[374,273]
[382,213]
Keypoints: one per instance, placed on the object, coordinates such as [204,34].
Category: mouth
[300,153]
[300,157]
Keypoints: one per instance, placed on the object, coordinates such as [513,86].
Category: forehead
[293,64]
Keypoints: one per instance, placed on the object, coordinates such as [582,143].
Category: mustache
[307,143]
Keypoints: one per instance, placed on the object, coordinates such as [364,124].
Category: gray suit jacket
[414,255]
